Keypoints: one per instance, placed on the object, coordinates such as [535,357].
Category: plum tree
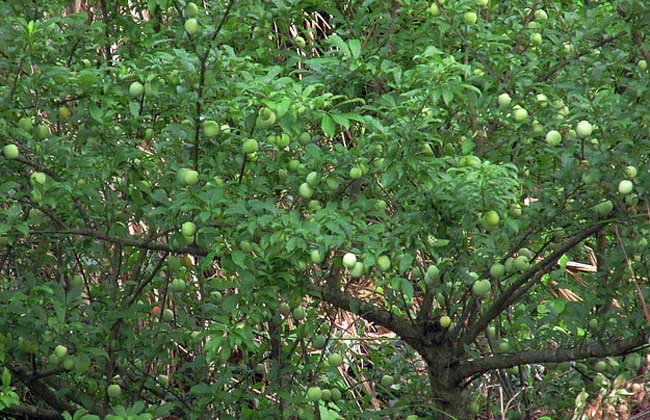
[198,189]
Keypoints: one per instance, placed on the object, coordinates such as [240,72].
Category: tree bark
[449,399]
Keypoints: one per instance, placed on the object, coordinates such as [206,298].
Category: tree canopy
[313,209]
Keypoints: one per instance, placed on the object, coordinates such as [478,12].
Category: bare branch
[586,351]
[369,311]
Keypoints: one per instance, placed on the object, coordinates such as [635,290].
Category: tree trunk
[449,399]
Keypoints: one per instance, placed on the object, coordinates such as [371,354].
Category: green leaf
[328,125]
[338,42]
[407,288]
[6,378]
[355,48]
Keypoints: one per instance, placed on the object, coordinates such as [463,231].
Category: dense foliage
[253,209]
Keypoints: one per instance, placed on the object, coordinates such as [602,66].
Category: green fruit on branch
[336,394]
[383,262]
[504,100]
[282,141]
[178,285]
[300,41]
[515,210]
[632,361]
[567,48]
[522,263]
[434,10]
[299,313]
[387,381]
[326,395]
[335,360]
[187,176]
[191,26]
[491,218]
[114,391]
[332,183]
[481,288]
[520,114]
[11,151]
[167,315]
[319,342]
[553,138]
[445,321]
[304,138]
[504,346]
[314,394]
[497,271]
[136,89]
[250,146]
[53,360]
[432,275]
[64,112]
[42,131]
[265,118]
[625,187]
[25,123]
[188,229]
[600,380]
[642,64]
[536,39]
[492,332]
[61,351]
[525,252]
[356,172]
[211,128]
[68,363]
[37,178]
[349,260]
[357,270]
[305,190]
[541,15]
[191,10]
[470,18]
[604,208]
[314,205]
[601,366]
[630,172]
[285,309]
[315,256]
[584,129]
[313,178]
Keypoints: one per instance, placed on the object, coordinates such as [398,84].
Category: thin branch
[527,279]
[132,242]
[371,312]
[203,59]
[30,412]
